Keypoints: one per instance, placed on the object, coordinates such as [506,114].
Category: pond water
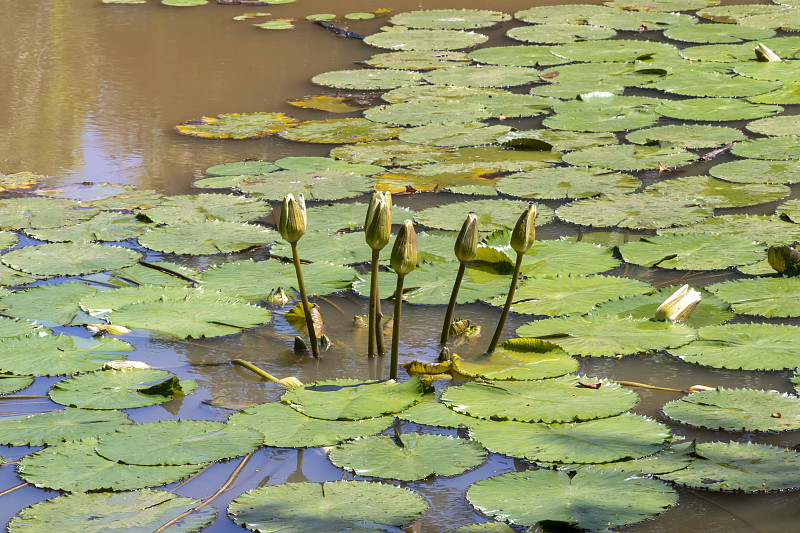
[91,93]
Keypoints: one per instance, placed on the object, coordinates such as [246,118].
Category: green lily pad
[14,327]
[549,258]
[732,13]
[630,157]
[785,71]
[717,33]
[468,134]
[701,251]
[19,180]
[560,14]
[483,527]
[184,3]
[326,163]
[343,249]
[715,109]
[687,135]
[10,383]
[314,185]
[711,311]
[50,303]
[190,208]
[237,125]
[779,297]
[588,500]
[551,400]
[137,199]
[773,148]
[615,438]
[57,426]
[719,53]
[737,410]
[241,167]
[511,105]
[715,85]
[613,50]
[776,126]
[75,466]
[483,76]
[408,457]
[603,112]
[53,355]
[191,318]
[105,226]
[112,511]
[744,347]
[425,39]
[284,427]
[10,277]
[351,399]
[421,112]
[639,210]
[557,140]
[566,182]
[449,19]
[569,295]
[758,171]
[520,56]
[42,212]
[102,303]
[372,79]
[559,33]
[437,92]
[119,389]
[728,466]
[519,359]
[391,153]
[206,237]
[177,442]
[433,413]
[711,192]
[332,506]
[766,229]
[640,20]
[69,259]
[608,336]
[491,214]
[786,20]
[790,210]
[416,60]
[342,130]
[455,174]
[151,275]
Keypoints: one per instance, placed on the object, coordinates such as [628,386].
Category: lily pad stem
[448,317]
[507,307]
[398,302]
[312,335]
[372,319]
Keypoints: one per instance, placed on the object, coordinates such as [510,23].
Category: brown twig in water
[12,489]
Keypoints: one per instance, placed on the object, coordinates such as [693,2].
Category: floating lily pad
[520,56]
[449,19]
[785,71]
[241,167]
[137,199]
[767,297]
[112,511]
[343,249]
[776,126]
[717,33]
[191,318]
[773,148]
[57,426]
[737,410]
[786,20]
[549,258]
[313,184]
[715,85]
[603,112]
[468,134]
[41,212]
[630,157]
[237,125]
[608,336]
[335,104]
[708,191]
[560,14]
[559,33]
[732,13]
[557,140]
[425,39]
[421,112]
[456,173]
[326,163]
[765,229]
[50,303]
[184,3]
[588,500]
[416,60]
[343,130]
[790,210]
[103,302]
[190,208]
[367,79]
[149,274]
[75,466]
[728,466]
[552,400]
[644,211]
[14,327]
[177,442]
[612,50]
[715,109]
[719,53]
[206,237]
[351,399]
[483,76]
[408,457]
[19,180]
[105,226]
[391,153]
[758,171]
[436,414]
[332,506]
[687,135]
[744,347]
[69,259]
[615,438]
[284,427]
[119,389]
[519,359]
[640,20]
[10,383]
[567,182]
[491,214]
[53,355]
[483,527]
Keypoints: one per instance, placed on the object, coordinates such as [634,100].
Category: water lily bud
[378,224]
[765,54]
[525,231]
[293,218]
[404,252]
[467,242]
[784,259]
[679,306]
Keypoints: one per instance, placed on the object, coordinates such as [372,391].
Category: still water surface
[90,92]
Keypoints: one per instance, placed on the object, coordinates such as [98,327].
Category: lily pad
[206,237]
[715,109]
[19,180]
[57,426]
[237,125]
[372,79]
[190,208]
[520,56]
[284,427]
[50,303]
[639,210]
[449,19]
[69,259]
[351,399]
[326,163]
[640,20]
[567,182]
[519,359]
[717,33]
[313,184]
[779,297]
[10,383]
[737,410]
[468,134]
[425,39]
[701,251]
[560,14]
[433,413]
[53,355]
[630,157]
[766,229]
[744,347]
[776,126]
[491,214]
[105,226]
[557,140]
[421,112]
[559,33]
[391,153]
[758,171]
[790,210]
[708,191]
[342,130]
[687,135]
[613,50]
[42,212]
[561,399]
[603,112]
[408,457]
[608,336]
[589,500]
[241,167]
[336,104]
[773,148]
[483,76]
[422,60]
[549,258]
[332,506]
[112,511]
[437,92]
[714,84]
[615,438]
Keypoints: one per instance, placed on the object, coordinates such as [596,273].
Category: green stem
[373,297]
[253,368]
[452,305]
[378,319]
[398,301]
[507,307]
[312,335]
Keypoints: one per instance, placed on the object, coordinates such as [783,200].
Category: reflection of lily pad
[237,125]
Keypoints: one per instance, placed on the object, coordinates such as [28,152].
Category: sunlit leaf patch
[10,383]
[313,184]
[773,148]
[790,210]
[559,33]
[766,229]
[779,297]
[449,19]
[687,135]
[708,191]
[417,60]
[631,157]
[733,13]
[189,208]
[103,302]
[701,251]
[105,226]
[603,112]
[715,85]
[717,33]
[483,76]
[715,109]
[521,56]
[785,71]
[492,214]
[560,14]
[640,20]
[19,180]
[556,139]
[425,39]
[421,112]
[612,50]
[41,212]
[53,355]
[51,303]
[391,153]
[758,171]
[468,134]
[519,359]
[237,168]
[56,426]
[206,237]
[787,20]
[567,182]
[237,125]
[661,5]
[435,92]
[367,79]
[775,126]
[69,259]
[638,210]
[343,130]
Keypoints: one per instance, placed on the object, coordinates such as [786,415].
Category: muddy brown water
[90,92]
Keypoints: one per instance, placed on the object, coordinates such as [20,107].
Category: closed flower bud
[378,224]
[765,54]
[293,218]
[679,306]
[467,242]
[525,231]
[404,252]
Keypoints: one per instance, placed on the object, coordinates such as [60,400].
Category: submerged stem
[373,298]
[507,307]
[451,306]
[312,335]
[398,302]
